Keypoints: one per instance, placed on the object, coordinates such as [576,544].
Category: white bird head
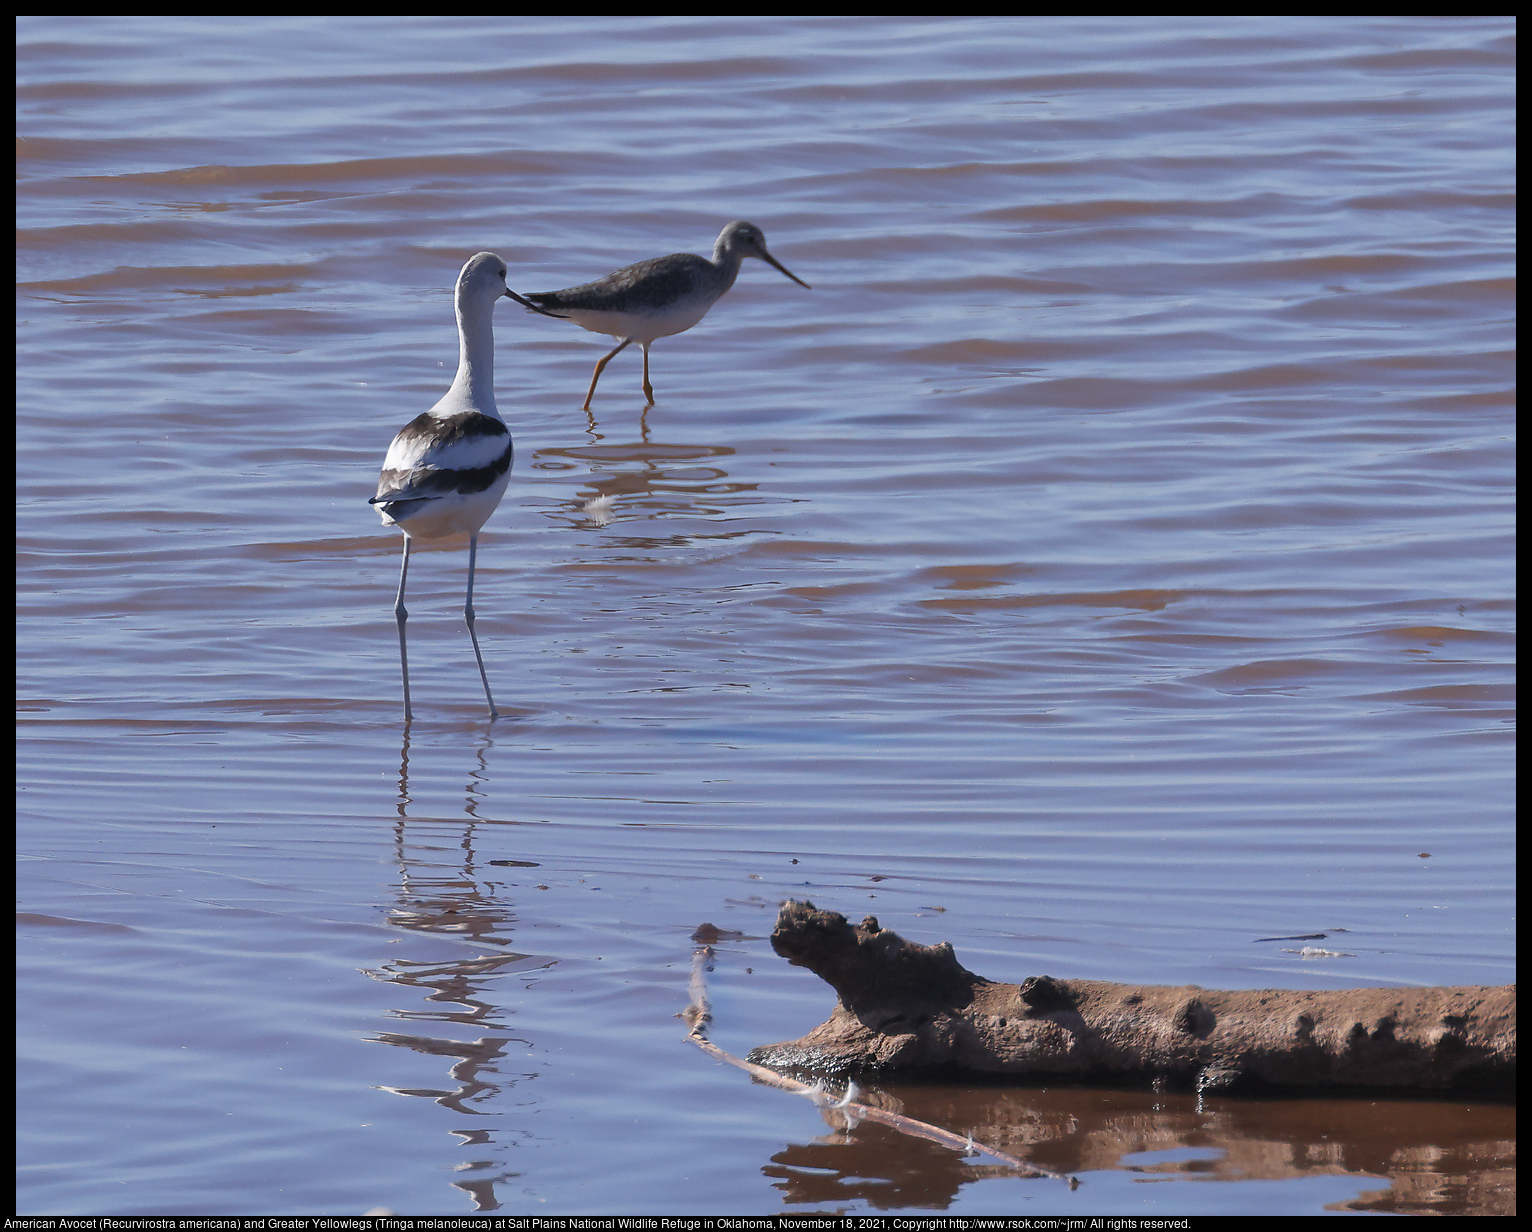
[482,279]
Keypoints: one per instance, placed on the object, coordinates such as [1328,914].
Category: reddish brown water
[1105,564]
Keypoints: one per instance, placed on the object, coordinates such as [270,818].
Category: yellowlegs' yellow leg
[600,364]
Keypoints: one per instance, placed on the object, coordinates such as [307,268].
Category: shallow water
[1105,565]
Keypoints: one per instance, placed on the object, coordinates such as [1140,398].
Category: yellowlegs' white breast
[448,468]
[655,298]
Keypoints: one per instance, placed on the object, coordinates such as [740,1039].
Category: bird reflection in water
[448,894]
[644,480]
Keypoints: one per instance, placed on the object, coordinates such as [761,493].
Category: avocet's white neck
[474,386]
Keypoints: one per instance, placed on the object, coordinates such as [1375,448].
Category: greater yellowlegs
[655,298]
[448,468]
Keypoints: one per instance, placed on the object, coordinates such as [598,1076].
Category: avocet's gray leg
[400,616]
[473,551]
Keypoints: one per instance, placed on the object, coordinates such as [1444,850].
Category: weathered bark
[913,1008]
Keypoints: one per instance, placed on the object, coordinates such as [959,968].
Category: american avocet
[448,468]
[655,298]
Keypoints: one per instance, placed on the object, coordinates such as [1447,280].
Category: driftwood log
[914,1009]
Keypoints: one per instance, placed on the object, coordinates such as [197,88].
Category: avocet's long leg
[648,390]
[473,550]
[600,364]
[400,616]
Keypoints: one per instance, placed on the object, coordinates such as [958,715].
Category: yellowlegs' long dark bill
[655,298]
[448,468]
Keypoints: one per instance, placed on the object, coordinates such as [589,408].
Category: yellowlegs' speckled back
[655,298]
[448,468]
